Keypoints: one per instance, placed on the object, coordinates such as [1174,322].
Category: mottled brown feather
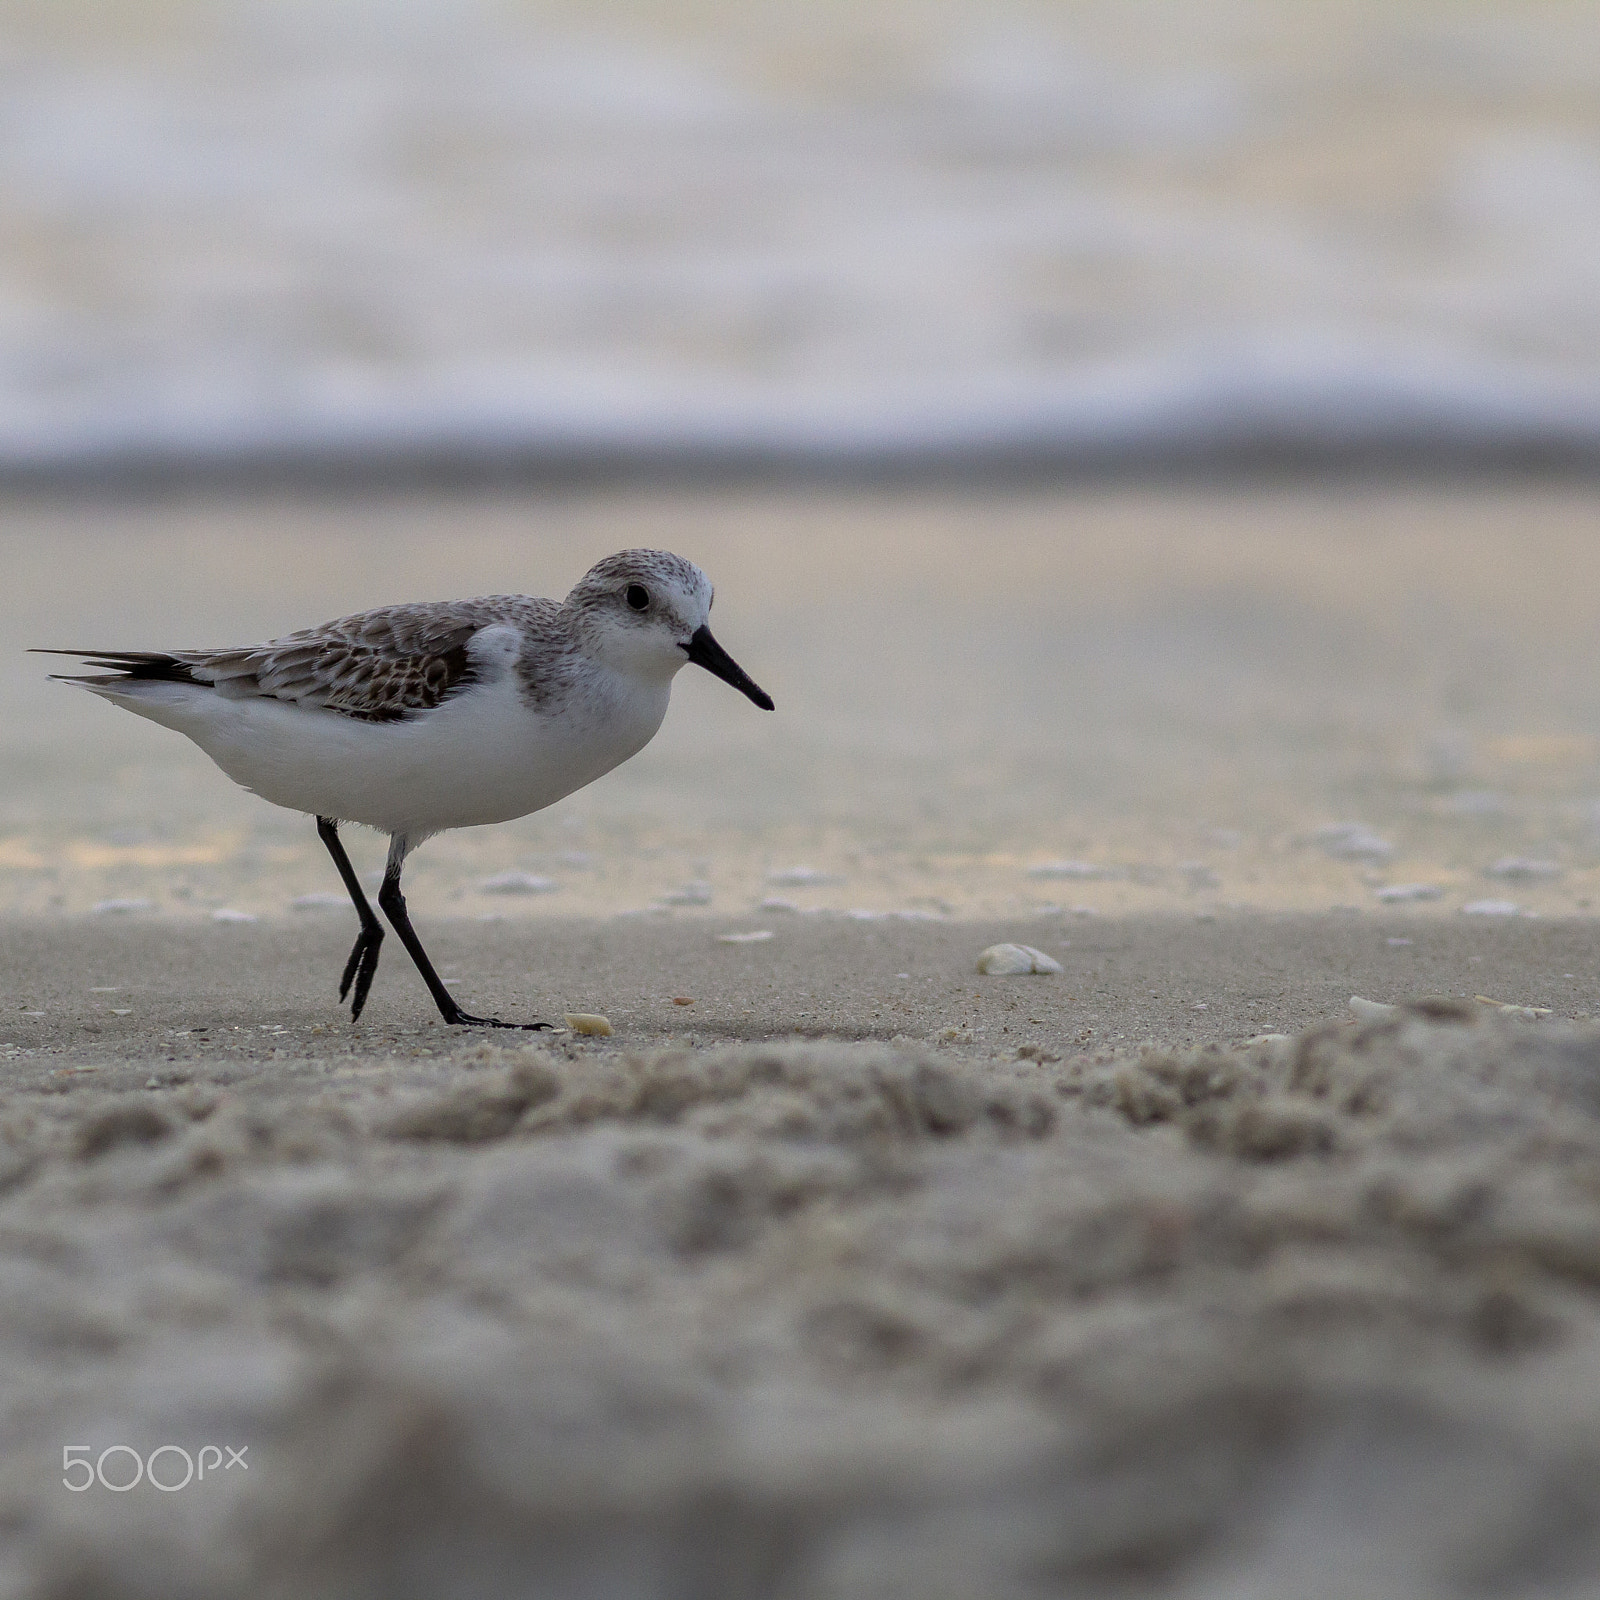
[377,666]
[383,665]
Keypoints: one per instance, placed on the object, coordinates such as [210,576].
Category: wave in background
[254,235]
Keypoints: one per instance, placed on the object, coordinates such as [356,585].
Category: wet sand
[861,1273]
[127,993]
[1176,691]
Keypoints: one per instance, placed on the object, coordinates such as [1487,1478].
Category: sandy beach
[838,1268]
[1148,453]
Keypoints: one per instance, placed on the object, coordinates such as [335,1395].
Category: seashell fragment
[1070,869]
[517,883]
[800,877]
[745,938]
[1490,908]
[590,1023]
[114,907]
[696,893]
[1506,1009]
[1371,1010]
[1396,893]
[1352,841]
[1523,869]
[228,914]
[323,900]
[1011,960]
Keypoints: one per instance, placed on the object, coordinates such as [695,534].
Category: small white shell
[1371,1010]
[517,883]
[1010,960]
[1491,908]
[1393,893]
[228,914]
[799,877]
[1069,869]
[745,938]
[1352,841]
[697,893]
[589,1023]
[322,900]
[1523,869]
[114,907]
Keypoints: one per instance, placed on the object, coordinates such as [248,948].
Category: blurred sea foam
[305,234]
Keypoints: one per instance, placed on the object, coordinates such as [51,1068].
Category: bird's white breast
[483,755]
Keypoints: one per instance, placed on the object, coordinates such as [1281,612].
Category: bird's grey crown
[655,569]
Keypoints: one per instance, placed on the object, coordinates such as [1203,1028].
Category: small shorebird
[417,718]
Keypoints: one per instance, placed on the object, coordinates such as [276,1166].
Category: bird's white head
[644,613]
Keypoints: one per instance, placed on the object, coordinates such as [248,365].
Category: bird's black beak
[705,652]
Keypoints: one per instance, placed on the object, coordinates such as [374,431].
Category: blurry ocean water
[303,231]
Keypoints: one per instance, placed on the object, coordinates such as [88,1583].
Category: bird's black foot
[394,906]
[360,967]
[464,1019]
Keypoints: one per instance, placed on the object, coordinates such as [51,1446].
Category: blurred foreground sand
[859,1274]
[813,1319]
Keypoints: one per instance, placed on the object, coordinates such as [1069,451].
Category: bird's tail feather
[123,666]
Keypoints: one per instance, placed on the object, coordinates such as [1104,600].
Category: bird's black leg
[394,908]
[363,960]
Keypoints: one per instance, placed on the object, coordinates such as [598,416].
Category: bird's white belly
[483,756]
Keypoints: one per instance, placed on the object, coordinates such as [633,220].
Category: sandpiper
[449,714]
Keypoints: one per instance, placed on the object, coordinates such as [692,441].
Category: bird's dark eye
[638,596]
